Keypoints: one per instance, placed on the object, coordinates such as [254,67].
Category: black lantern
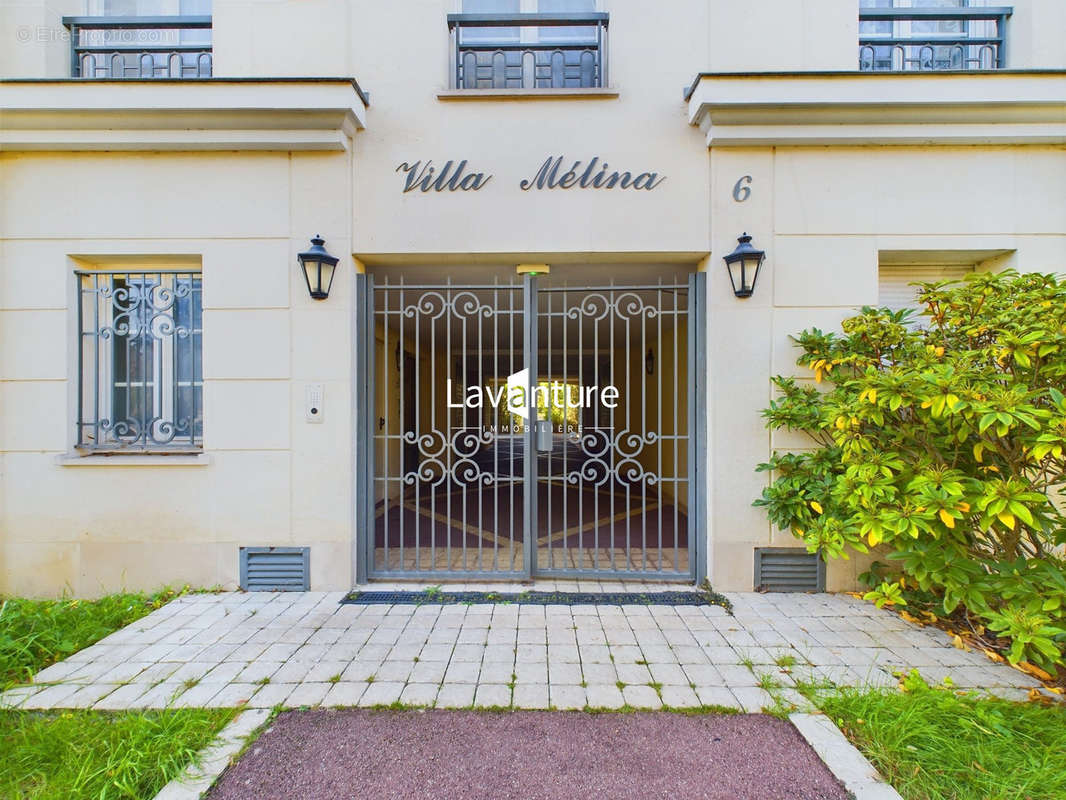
[318,267]
[743,264]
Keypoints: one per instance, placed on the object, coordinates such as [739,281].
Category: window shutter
[895,291]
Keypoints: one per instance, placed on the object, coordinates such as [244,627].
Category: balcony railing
[139,47]
[925,39]
[529,51]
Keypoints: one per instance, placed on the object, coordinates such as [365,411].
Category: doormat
[439,597]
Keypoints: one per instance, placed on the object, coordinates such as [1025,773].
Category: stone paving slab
[299,650]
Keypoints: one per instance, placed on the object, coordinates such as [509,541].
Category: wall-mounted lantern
[743,265]
[319,267]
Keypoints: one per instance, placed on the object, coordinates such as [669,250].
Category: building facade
[531,360]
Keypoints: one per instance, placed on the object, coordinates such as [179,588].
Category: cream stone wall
[93,525]
[343,37]
[826,215]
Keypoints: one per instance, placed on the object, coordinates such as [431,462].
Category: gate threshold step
[536,585]
[650,594]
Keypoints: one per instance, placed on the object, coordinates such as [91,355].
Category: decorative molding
[134,460]
[857,108]
[467,95]
[202,114]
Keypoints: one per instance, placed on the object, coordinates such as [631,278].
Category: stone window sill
[528,94]
[134,460]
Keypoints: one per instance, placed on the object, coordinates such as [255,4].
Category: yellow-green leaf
[1006,518]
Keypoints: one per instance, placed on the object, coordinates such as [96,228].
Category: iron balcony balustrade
[140,47]
[978,42]
[529,51]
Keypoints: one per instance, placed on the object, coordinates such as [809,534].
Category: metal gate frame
[364,413]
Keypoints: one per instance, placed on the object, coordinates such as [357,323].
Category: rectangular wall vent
[788,569]
[276,569]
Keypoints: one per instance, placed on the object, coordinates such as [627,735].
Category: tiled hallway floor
[304,649]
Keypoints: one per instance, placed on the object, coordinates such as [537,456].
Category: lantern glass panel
[311,275]
[326,272]
[751,270]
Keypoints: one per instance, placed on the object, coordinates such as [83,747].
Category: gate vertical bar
[529,493]
[362,409]
[697,425]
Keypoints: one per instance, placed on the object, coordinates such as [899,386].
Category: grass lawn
[65,755]
[36,633]
[89,754]
[932,744]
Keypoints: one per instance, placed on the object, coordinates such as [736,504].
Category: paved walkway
[304,649]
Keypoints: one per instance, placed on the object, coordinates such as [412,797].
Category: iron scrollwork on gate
[591,476]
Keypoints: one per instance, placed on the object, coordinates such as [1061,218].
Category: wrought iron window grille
[529,51]
[140,361]
[892,39]
[140,47]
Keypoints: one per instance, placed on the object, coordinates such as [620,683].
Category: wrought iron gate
[508,430]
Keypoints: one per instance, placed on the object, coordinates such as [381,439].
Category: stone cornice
[202,114]
[859,108]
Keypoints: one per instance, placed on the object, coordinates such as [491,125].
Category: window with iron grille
[908,35]
[142,39]
[529,44]
[140,361]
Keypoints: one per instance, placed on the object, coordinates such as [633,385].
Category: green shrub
[946,445]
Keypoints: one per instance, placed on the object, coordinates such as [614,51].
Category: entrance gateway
[511,430]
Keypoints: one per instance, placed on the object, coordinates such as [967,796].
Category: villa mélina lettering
[548,177]
[426,177]
[594,174]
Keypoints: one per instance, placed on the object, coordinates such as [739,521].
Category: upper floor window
[529,44]
[140,357]
[906,35]
[142,39]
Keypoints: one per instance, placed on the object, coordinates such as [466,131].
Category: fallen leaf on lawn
[1035,696]
[959,643]
[910,618]
[1032,669]
[928,616]
[992,654]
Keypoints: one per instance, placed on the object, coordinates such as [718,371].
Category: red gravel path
[343,755]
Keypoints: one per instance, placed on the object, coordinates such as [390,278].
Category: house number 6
[742,189]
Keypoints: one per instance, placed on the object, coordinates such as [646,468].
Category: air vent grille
[276,569]
[788,569]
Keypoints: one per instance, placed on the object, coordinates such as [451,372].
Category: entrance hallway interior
[605,353]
